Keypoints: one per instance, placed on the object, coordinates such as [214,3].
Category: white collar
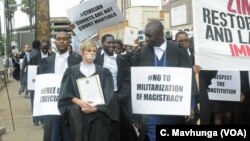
[123,53]
[103,52]
[64,55]
[189,53]
[160,50]
[44,55]
[162,47]
[87,69]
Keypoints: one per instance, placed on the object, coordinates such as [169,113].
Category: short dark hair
[45,41]
[119,42]
[105,36]
[179,33]
[63,31]
[36,44]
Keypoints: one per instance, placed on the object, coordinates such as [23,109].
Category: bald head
[155,25]
[154,33]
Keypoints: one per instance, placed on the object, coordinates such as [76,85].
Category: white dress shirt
[28,56]
[61,62]
[87,69]
[110,63]
[189,53]
[44,55]
[159,51]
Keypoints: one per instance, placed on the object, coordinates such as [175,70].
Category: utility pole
[42,20]
[7,27]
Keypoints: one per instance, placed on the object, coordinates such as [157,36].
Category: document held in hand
[90,89]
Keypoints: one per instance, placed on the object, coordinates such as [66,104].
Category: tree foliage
[11,10]
[28,7]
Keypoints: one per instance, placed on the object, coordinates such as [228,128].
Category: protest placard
[32,71]
[161,90]
[141,35]
[46,94]
[221,34]
[130,35]
[93,15]
[225,86]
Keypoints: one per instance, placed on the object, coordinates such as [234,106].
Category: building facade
[174,14]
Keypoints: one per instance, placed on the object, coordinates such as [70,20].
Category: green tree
[28,7]
[10,8]
[2,43]
[10,12]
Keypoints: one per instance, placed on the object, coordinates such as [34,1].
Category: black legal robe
[127,131]
[95,126]
[47,65]
[205,78]
[245,88]
[174,58]
[123,79]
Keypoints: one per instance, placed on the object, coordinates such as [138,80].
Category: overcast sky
[58,9]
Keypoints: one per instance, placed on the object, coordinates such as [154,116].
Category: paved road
[24,129]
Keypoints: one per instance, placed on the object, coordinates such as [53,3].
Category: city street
[24,129]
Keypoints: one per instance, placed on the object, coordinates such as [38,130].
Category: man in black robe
[172,57]
[54,129]
[205,77]
[35,59]
[120,70]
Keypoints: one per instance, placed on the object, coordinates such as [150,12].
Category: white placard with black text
[46,94]
[32,71]
[161,90]
[91,16]
[225,86]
